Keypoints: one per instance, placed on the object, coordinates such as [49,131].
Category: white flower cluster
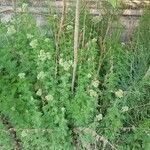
[24,133]
[63,109]
[49,97]
[55,16]
[41,75]
[11,30]
[47,40]
[94,40]
[39,92]
[89,75]
[69,27]
[65,64]
[13,108]
[125,108]
[99,117]
[43,56]
[119,93]
[95,83]
[97,19]
[21,75]
[93,93]
[34,43]
[29,36]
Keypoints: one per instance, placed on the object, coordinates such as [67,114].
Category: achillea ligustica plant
[109,107]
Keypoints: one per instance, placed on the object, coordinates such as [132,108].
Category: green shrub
[110,106]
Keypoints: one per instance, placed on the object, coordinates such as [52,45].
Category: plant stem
[76,37]
[58,36]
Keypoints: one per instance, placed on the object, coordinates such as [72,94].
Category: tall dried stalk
[76,40]
[58,36]
[147,75]
[103,48]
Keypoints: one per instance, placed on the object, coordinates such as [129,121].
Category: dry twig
[76,37]
[95,135]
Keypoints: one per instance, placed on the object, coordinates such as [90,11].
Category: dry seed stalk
[76,38]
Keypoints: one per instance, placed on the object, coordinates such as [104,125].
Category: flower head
[99,117]
[47,40]
[94,40]
[125,108]
[63,109]
[97,19]
[34,43]
[61,61]
[55,16]
[65,64]
[119,93]
[21,75]
[24,133]
[93,93]
[39,92]
[29,36]
[89,75]
[49,97]
[95,83]
[44,55]
[11,30]
[41,75]
[69,27]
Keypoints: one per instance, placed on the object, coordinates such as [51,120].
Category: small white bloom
[63,109]
[24,133]
[21,75]
[55,16]
[48,56]
[119,93]
[41,75]
[125,108]
[66,66]
[69,27]
[34,43]
[93,93]
[13,108]
[94,40]
[99,117]
[70,62]
[29,36]
[44,55]
[123,44]
[49,97]
[95,83]
[61,61]
[97,19]
[47,40]
[11,30]
[39,92]
[89,75]
[24,6]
